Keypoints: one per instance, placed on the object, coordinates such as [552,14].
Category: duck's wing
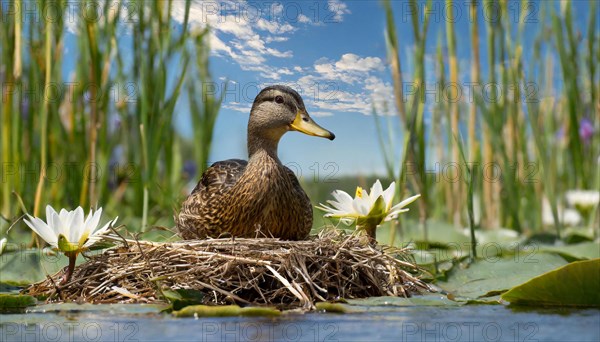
[203,205]
[304,207]
[220,177]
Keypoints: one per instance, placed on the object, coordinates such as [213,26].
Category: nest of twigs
[263,271]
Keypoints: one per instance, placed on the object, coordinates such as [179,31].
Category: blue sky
[335,47]
[316,48]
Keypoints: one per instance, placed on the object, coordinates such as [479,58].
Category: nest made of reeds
[260,271]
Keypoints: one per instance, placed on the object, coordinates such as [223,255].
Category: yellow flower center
[359,192]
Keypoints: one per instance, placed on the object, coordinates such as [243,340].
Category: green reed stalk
[592,57]
[5,39]
[64,131]
[17,73]
[470,179]
[541,151]
[163,47]
[44,119]
[569,64]
[454,113]
[418,109]
[475,78]
[440,119]
[204,103]
[413,118]
[394,57]
[397,78]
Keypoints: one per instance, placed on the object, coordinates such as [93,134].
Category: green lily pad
[386,303]
[491,244]
[575,284]
[333,307]
[225,311]
[181,298]
[580,251]
[578,234]
[435,255]
[9,302]
[439,234]
[497,241]
[432,299]
[493,300]
[493,276]
[110,309]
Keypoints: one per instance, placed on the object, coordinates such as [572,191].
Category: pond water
[421,323]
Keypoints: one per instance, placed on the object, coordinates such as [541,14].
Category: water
[421,323]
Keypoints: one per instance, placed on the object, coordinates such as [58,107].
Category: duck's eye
[279,99]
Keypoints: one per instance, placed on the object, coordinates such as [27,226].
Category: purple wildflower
[586,130]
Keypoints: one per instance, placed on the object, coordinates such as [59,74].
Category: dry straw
[263,271]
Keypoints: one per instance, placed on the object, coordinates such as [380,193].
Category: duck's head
[278,109]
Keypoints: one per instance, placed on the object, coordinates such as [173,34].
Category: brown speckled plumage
[258,198]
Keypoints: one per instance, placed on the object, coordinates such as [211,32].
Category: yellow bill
[305,124]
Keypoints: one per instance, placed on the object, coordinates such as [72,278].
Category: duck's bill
[305,124]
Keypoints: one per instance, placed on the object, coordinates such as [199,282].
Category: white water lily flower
[366,208]
[69,231]
[2,244]
[566,216]
[583,198]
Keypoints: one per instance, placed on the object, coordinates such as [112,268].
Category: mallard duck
[259,197]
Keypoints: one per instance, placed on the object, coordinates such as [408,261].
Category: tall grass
[94,125]
[412,118]
[531,134]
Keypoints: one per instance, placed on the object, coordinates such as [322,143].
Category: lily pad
[497,241]
[181,298]
[575,284]
[225,311]
[578,234]
[110,309]
[10,302]
[580,251]
[493,300]
[452,243]
[439,234]
[334,307]
[385,303]
[433,299]
[493,276]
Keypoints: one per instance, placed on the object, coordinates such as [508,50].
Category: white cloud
[349,69]
[238,107]
[319,113]
[327,87]
[338,8]
[277,39]
[303,19]
[273,27]
[276,9]
[285,71]
[381,94]
[351,83]
[244,38]
[352,62]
